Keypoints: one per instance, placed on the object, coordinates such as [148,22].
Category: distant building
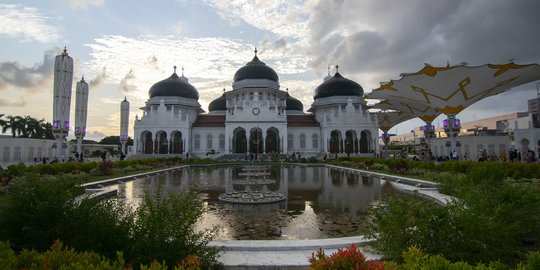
[495,136]
[15,150]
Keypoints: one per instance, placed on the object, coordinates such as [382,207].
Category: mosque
[255,117]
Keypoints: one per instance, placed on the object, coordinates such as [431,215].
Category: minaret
[124,124]
[63,79]
[81,112]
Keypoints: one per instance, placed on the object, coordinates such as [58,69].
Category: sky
[123,47]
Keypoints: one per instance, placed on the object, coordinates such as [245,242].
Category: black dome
[293,104]
[218,104]
[256,69]
[173,86]
[338,86]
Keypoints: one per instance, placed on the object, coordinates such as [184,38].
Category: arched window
[221,141]
[302,141]
[209,139]
[315,140]
[17,154]
[290,141]
[197,141]
[5,154]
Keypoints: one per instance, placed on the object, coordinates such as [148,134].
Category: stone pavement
[283,254]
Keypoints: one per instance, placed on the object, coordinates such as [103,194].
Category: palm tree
[10,124]
[21,126]
[33,128]
[2,121]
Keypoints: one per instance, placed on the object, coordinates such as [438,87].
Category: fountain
[255,176]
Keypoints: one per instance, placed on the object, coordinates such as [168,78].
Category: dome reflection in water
[321,202]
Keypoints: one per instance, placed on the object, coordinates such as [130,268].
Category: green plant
[33,208]
[105,167]
[164,225]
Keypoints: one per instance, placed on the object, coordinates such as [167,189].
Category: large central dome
[256,69]
[338,86]
[174,86]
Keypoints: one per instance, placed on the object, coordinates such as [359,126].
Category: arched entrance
[147,142]
[524,147]
[351,142]
[161,144]
[256,141]
[335,141]
[239,140]
[365,138]
[177,145]
[272,140]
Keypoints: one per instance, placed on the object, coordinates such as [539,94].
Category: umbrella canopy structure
[451,89]
[387,120]
[416,109]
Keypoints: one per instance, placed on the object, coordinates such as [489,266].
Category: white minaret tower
[63,79]
[124,124]
[81,112]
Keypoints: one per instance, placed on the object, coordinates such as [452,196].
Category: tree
[2,121]
[26,127]
[114,140]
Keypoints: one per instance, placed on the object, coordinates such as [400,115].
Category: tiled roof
[205,120]
[306,120]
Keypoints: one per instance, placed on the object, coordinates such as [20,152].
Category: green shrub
[488,223]
[33,208]
[164,225]
[414,258]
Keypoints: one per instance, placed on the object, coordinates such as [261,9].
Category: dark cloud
[99,79]
[280,44]
[7,103]
[124,83]
[13,74]
[386,38]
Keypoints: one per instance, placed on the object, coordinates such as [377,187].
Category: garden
[493,224]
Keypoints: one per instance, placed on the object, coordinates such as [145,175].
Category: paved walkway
[283,254]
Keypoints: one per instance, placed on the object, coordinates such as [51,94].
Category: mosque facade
[255,118]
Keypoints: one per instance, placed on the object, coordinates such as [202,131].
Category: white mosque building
[255,117]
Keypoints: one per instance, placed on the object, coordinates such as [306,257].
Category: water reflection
[322,202]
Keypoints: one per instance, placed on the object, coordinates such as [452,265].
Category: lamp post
[452,126]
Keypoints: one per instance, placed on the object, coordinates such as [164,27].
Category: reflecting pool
[321,202]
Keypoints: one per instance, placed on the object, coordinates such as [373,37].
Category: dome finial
[255,51]
[337,68]
[223,90]
[182,71]
[82,79]
[174,69]
[64,52]
[328,69]
[287,89]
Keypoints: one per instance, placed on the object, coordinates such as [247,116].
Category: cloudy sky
[123,47]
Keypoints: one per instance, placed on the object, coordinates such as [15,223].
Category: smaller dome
[338,86]
[256,69]
[293,104]
[218,104]
[174,86]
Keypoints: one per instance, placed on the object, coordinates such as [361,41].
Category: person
[104,156]
[35,160]
[187,155]
[122,156]
[324,158]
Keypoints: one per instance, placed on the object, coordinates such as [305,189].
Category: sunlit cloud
[27,24]
[209,63]
[82,4]
[284,17]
